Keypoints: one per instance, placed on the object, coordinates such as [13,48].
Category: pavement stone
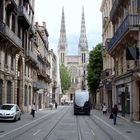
[124,126]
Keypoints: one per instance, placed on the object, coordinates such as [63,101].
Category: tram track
[101,128]
[52,130]
[36,123]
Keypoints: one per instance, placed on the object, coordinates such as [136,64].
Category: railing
[22,12]
[115,4]
[10,34]
[32,56]
[128,22]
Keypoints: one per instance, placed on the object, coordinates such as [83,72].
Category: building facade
[76,64]
[108,61]
[123,47]
[24,56]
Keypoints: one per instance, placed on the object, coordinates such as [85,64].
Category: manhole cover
[128,131]
[1,131]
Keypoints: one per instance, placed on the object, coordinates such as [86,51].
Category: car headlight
[13,113]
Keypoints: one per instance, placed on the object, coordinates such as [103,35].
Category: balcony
[23,13]
[128,24]
[31,57]
[115,5]
[6,31]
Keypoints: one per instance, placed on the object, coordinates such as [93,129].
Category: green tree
[94,68]
[65,78]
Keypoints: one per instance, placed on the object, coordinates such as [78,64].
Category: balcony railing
[129,22]
[5,30]
[32,56]
[115,4]
[22,12]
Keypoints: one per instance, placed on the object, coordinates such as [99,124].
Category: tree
[65,78]
[94,68]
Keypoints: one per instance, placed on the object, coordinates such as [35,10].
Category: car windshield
[6,107]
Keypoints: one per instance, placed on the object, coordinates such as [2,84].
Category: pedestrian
[55,105]
[104,109]
[114,112]
[33,110]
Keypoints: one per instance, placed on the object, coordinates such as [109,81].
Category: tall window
[12,62]
[25,96]
[9,93]
[29,95]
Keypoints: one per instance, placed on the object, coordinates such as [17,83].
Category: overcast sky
[50,11]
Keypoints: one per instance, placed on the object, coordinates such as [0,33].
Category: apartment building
[108,62]
[123,47]
[24,56]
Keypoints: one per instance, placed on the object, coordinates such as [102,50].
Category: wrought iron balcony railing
[23,13]
[128,23]
[6,31]
[31,55]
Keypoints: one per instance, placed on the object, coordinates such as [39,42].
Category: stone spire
[63,39]
[83,45]
[62,45]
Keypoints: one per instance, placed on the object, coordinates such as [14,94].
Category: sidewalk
[128,129]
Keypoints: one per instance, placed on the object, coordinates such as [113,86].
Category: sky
[50,11]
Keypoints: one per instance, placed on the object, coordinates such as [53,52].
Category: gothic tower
[83,51]
[75,63]
[62,45]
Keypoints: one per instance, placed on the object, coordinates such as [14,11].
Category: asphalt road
[59,124]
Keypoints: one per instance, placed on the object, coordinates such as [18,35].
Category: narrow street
[61,124]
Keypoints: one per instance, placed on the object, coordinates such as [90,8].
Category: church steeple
[62,45]
[83,45]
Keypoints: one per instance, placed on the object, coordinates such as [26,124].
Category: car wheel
[19,118]
[15,118]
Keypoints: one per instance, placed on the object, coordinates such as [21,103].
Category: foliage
[94,68]
[65,78]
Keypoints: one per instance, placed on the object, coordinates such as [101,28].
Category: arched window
[30,95]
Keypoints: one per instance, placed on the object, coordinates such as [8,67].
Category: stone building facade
[123,47]
[76,64]
[24,56]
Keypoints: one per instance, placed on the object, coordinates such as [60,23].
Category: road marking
[128,138]
[37,132]
[24,125]
[92,132]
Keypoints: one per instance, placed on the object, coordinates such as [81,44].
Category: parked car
[10,112]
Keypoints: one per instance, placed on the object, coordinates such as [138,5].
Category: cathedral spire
[83,45]
[62,45]
[63,39]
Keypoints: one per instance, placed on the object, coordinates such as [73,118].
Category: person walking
[33,110]
[55,105]
[104,109]
[114,112]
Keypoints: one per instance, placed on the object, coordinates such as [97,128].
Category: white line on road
[37,132]
[24,125]
[92,132]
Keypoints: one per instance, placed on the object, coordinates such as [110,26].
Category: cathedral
[76,64]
